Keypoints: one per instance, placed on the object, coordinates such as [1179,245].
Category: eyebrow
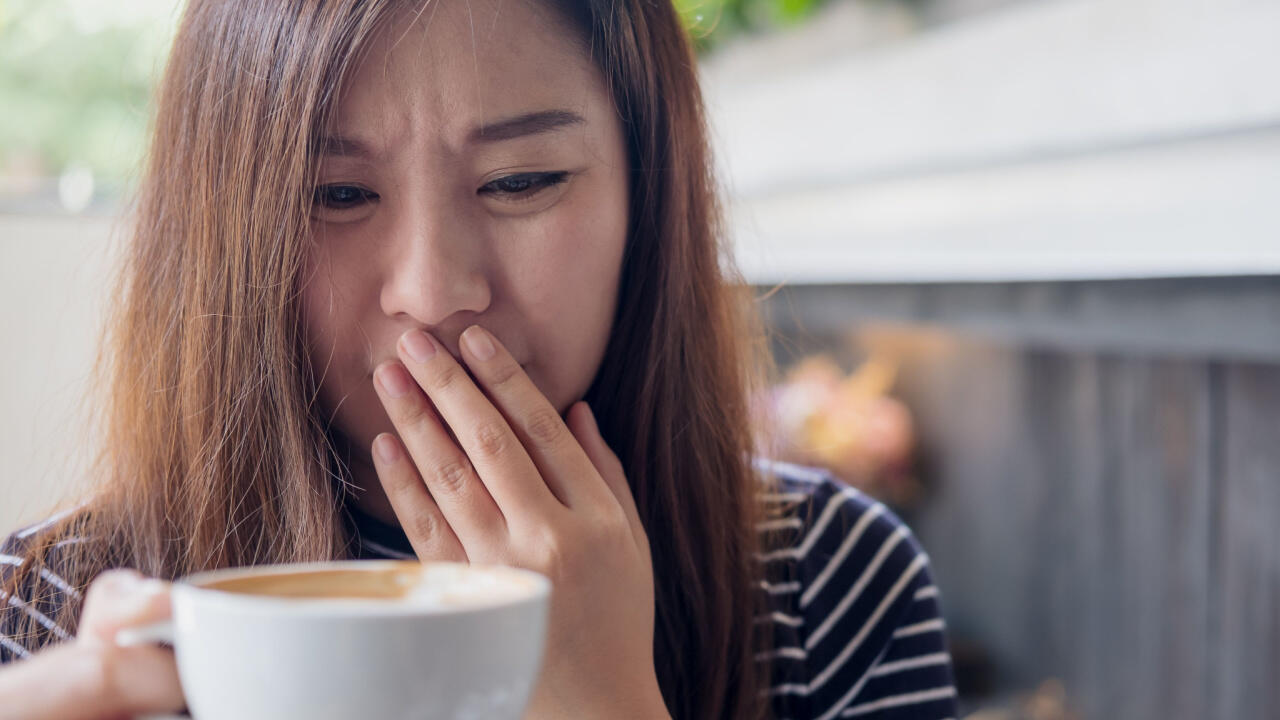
[533,123]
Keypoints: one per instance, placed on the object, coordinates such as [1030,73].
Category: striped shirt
[857,628]
[854,613]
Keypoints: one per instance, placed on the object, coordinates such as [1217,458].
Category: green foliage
[711,22]
[76,82]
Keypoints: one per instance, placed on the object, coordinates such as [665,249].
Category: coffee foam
[461,585]
[443,585]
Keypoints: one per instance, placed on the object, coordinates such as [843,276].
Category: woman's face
[476,175]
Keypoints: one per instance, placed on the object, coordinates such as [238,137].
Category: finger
[139,680]
[118,599]
[88,681]
[582,422]
[497,455]
[458,492]
[559,457]
[420,517]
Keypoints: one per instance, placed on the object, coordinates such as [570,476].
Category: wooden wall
[1102,512]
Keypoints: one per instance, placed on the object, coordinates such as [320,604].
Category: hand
[519,487]
[90,677]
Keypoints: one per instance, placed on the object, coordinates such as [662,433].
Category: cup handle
[157,633]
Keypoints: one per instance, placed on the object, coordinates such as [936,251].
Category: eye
[342,197]
[514,188]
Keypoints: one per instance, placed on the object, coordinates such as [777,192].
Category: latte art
[434,585]
[462,585]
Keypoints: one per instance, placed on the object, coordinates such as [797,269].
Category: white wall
[1063,139]
[53,272]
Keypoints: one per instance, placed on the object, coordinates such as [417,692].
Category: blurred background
[1020,261]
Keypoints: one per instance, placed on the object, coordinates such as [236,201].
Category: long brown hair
[214,452]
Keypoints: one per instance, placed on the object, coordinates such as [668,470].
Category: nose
[435,269]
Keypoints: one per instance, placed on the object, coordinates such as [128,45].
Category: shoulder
[856,610]
[829,521]
[841,540]
[33,590]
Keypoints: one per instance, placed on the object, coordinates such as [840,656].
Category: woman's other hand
[522,487]
[91,677]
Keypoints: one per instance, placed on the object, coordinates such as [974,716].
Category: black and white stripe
[45,573]
[38,600]
[870,642]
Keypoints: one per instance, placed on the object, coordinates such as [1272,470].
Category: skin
[90,677]
[486,315]
[442,248]
[475,443]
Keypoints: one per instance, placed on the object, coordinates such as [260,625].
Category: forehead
[447,66]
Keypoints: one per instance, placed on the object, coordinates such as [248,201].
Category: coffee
[435,585]
[385,583]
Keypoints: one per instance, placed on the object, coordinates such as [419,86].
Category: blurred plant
[711,22]
[1047,702]
[76,80]
[847,423]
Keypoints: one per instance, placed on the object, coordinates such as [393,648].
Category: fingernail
[141,597]
[148,589]
[418,345]
[385,446]
[394,380]
[478,342]
[152,586]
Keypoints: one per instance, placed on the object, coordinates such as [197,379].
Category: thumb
[582,423]
[93,678]
[83,681]
[118,599]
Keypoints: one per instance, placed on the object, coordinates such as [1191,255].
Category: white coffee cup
[458,641]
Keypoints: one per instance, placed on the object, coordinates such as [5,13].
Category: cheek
[318,299]
[582,243]
[314,303]
[334,290]
[318,318]
[570,292]
[346,400]
[326,316]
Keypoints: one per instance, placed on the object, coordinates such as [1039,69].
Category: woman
[443,280]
